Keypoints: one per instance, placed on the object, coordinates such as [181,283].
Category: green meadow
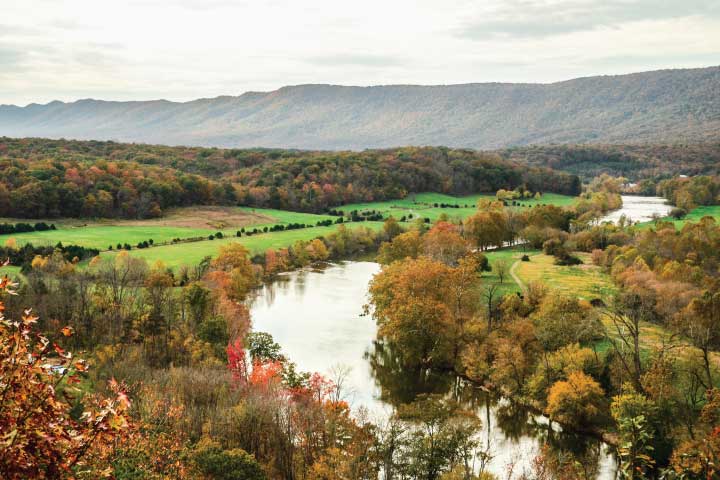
[203,221]
[102,235]
[191,253]
[422,205]
[694,216]
[510,256]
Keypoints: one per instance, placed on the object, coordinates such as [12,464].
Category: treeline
[57,178]
[321,180]
[24,255]
[689,192]
[7,228]
[53,188]
[635,162]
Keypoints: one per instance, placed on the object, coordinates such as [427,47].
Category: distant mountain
[660,106]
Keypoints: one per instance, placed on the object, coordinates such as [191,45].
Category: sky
[186,49]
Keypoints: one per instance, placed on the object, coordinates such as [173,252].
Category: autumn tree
[701,323]
[578,401]
[43,435]
[444,243]
[487,228]
[418,301]
[235,271]
[405,245]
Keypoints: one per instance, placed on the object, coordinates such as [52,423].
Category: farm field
[203,221]
[694,216]
[179,223]
[191,253]
[422,205]
[586,281]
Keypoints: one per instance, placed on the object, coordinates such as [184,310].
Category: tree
[421,305]
[235,272]
[487,228]
[500,267]
[630,309]
[577,401]
[405,245]
[442,437]
[42,435]
[631,412]
[391,228]
[701,323]
[561,320]
[317,250]
[443,243]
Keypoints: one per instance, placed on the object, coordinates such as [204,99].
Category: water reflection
[317,318]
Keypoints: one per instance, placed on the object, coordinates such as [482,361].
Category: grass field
[192,253]
[203,221]
[586,281]
[510,255]
[422,205]
[694,216]
[180,223]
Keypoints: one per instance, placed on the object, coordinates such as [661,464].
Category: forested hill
[635,162]
[665,106]
[59,178]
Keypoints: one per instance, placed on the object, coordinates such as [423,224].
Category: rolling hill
[660,106]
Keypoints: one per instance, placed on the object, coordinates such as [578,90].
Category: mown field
[510,256]
[422,205]
[693,216]
[586,281]
[192,253]
[204,221]
[179,223]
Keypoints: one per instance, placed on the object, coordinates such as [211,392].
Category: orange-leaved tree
[43,435]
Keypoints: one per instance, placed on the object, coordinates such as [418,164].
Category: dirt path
[515,277]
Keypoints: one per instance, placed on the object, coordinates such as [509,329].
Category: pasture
[585,281]
[191,253]
[179,223]
[203,221]
[693,216]
[422,205]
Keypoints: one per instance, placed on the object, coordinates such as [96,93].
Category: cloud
[537,19]
[12,59]
[355,59]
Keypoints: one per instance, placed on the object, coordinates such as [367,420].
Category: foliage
[577,401]
[43,433]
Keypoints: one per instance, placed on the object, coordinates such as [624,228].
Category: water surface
[316,316]
[640,209]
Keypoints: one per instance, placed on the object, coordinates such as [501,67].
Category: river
[316,316]
[640,209]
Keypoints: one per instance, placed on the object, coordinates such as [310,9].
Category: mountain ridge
[657,106]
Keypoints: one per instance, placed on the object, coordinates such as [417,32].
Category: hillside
[660,106]
[59,178]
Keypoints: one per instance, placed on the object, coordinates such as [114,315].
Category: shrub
[678,213]
[577,401]
[218,464]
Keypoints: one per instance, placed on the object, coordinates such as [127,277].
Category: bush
[552,246]
[678,213]
[565,258]
[218,464]
[525,258]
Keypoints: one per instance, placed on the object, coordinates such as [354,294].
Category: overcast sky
[186,49]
